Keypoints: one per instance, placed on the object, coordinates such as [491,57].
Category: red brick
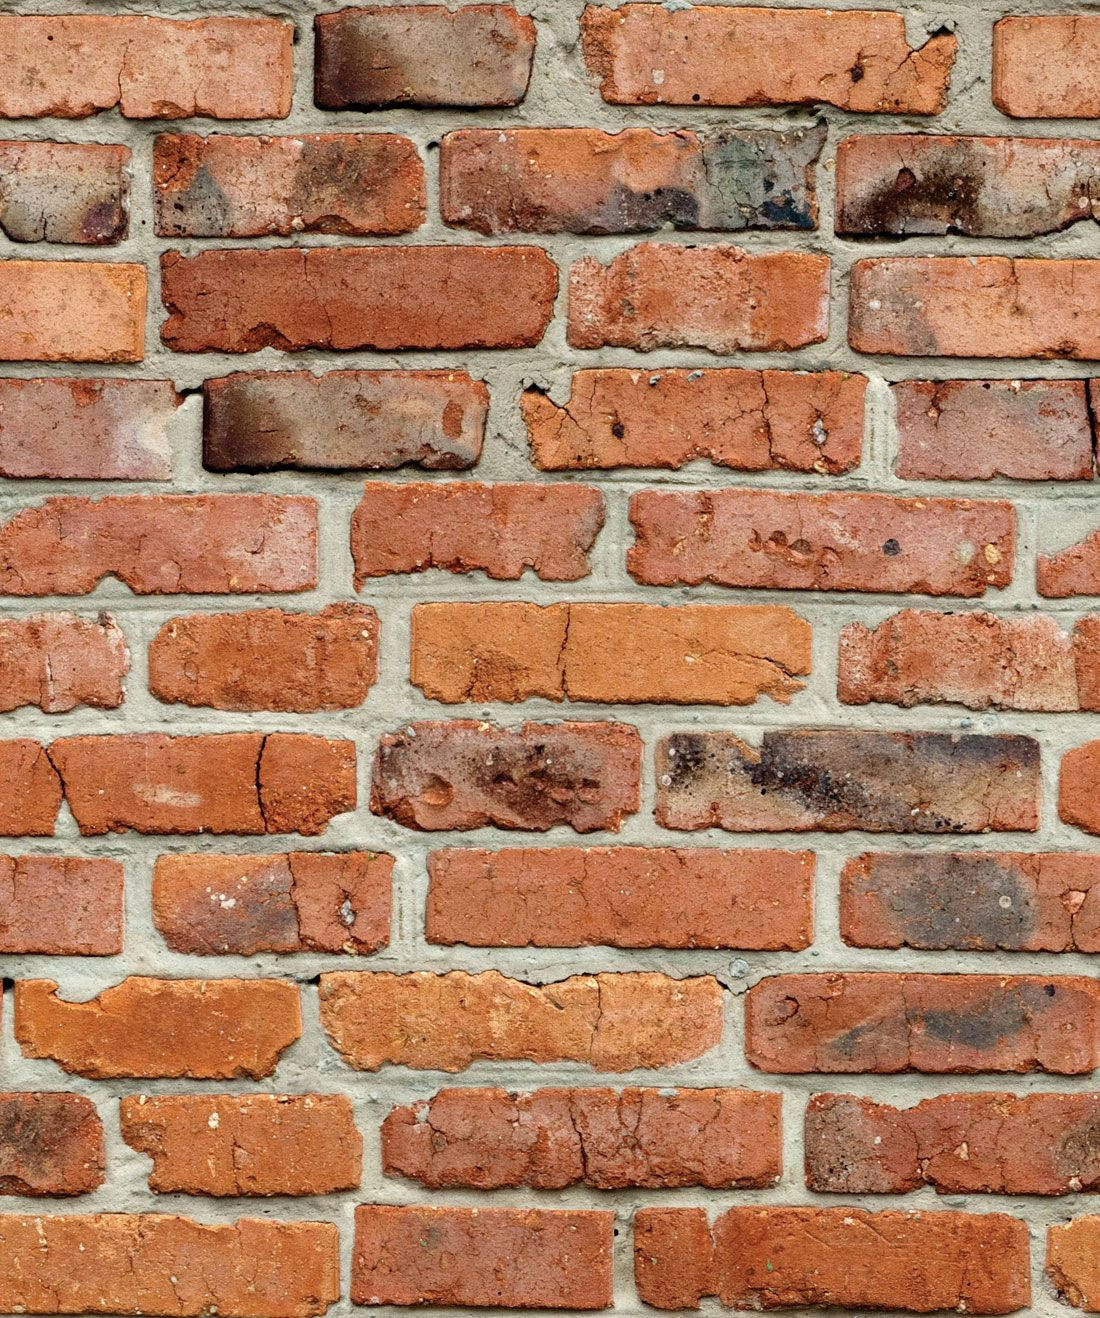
[972,900]
[621,897]
[242,300]
[497,529]
[204,1029]
[172,1267]
[519,1258]
[71,311]
[1031,430]
[1086,654]
[880,782]
[303,901]
[975,306]
[1072,1252]
[218,544]
[32,790]
[57,661]
[124,428]
[465,774]
[477,55]
[580,180]
[678,654]
[1073,571]
[1046,68]
[233,782]
[984,187]
[246,187]
[267,659]
[657,295]
[646,54]
[245,1144]
[793,1257]
[446,1022]
[748,420]
[71,66]
[1079,787]
[58,906]
[64,192]
[956,1143]
[974,659]
[771,540]
[607,1139]
[884,1023]
[358,420]
[50,1144]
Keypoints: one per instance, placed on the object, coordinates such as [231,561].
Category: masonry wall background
[967,732]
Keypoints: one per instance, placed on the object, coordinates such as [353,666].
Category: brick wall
[550,751]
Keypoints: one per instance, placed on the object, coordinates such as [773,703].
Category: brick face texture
[549,657]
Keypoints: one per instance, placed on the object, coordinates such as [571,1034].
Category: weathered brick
[303,901]
[581,180]
[246,187]
[772,540]
[57,661]
[1046,68]
[465,774]
[985,901]
[682,654]
[64,192]
[50,1144]
[71,311]
[884,1023]
[984,187]
[359,420]
[245,1144]
[607,1139]
[748,420]
[956,1143]
[1086,655]
[242,299]
[657,295]
[1072,1252]
[974,659]
[519,1258]
[74,65]
[446,1022]
[233,782]
[124,429]
[647,54]
[1032,430]
[621,897]
[880,782]
[1079,787]
[793,1257]
[60,906]
[32,790]
[1073,571]
[500,530]
[218,544]
[477,55]
[267,659]
[167,1267]
[204,1029]
[975,306]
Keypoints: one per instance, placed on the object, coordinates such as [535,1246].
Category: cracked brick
[1071,1262]
[60,906]
[50,1144]
[64,192]
[1046,67]
[57,662]
[32,795]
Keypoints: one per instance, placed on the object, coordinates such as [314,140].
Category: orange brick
[1046,68]
[71,311]
[58,906]
[58,661]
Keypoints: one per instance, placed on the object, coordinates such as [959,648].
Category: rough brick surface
[446,1022]
[621,896]
[303,901]
[607,1139]
[463,774]
[1071,1262]
[248,1144]
[204,1029]
[748,420]
[257,421]
[645,54]
[57,661]
[1045,68]
[1078,794]
[32,789]
[1073,571]
[50,1144]
[791,541]
[64,192]
[56,906]
[694,654]
[884,1023]
[782,1258]
[71,311]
